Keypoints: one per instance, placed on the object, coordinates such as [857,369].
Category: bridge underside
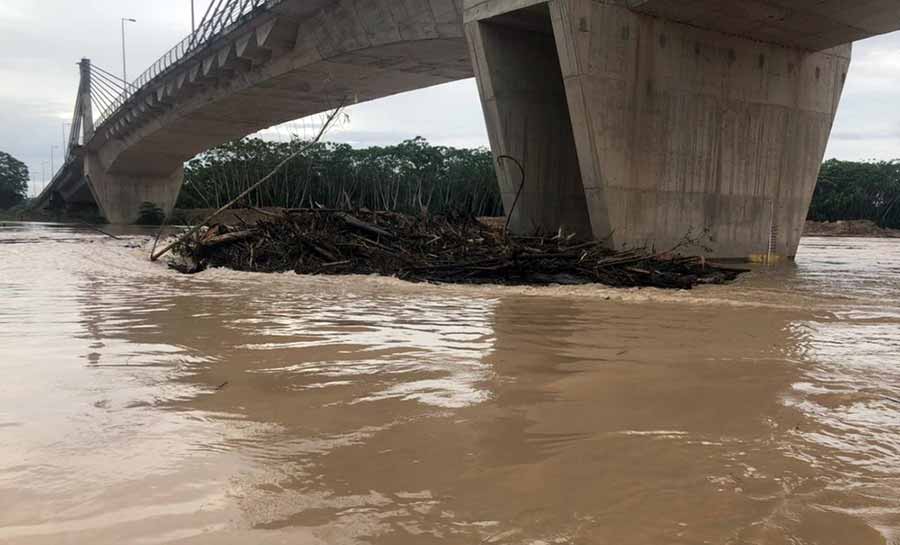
[811,25]
[147,164]
[217,111]
[637,122]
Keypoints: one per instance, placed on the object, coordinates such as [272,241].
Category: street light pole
[52,164]
[124,69]
[65,140]
[193,22]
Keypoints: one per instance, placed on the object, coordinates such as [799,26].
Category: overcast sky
[42,40]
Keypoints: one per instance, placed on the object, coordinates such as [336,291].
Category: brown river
[138,405]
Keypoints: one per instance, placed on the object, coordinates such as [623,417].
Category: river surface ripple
[142,406]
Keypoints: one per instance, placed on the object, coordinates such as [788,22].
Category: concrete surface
[120,196]
[689,133]
[812,25]
[524,101]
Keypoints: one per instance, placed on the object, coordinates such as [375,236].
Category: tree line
[415,176]
[411,177]
[13,181]
[849,190]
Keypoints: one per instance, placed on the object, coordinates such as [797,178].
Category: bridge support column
[524,103]
[119,196]
[678,130]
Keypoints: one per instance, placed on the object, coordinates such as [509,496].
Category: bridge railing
[221,16]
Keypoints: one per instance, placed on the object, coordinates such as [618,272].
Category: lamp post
[124,69]
[193,21]
[52,164]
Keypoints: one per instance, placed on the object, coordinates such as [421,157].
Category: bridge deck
[806,24]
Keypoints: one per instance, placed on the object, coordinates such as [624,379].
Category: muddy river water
[142,406]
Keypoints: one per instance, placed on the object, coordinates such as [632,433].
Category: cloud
[886,134]
[12,13]
[867,125]
[875,67]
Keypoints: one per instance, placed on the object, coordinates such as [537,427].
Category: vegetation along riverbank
[415,176]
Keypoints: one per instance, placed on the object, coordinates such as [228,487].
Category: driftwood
[232,236]
[435,249]
[101,231]
[154,255]
[367,227]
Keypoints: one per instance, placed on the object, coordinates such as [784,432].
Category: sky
[42,40]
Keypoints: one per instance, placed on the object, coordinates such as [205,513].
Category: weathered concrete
[682,131]
[525,110]
[300,59]
[812,25]
[119,197]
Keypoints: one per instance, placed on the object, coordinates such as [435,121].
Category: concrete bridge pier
[677,130]
[524,101]
[119,196]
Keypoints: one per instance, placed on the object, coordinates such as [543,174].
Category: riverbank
[849,228]
[241,216]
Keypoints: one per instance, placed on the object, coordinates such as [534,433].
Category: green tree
[849,190]
[412,176]
[13,181]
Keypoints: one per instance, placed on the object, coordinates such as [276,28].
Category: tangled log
[433,249]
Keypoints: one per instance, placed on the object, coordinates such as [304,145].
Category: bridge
[636,121]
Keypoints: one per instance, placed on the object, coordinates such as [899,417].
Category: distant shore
[851,228]
[848,228]
[181,216]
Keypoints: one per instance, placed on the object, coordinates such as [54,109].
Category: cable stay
[220,16]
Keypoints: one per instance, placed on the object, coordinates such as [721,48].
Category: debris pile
[432,249]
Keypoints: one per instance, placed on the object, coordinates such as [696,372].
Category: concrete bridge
[637,121]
